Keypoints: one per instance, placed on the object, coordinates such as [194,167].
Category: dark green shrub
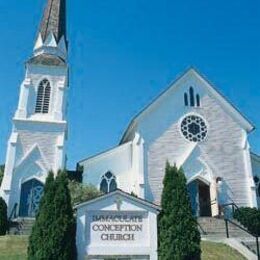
[249,218]
[3,217]
[179,237]
[53,234]
[2,169]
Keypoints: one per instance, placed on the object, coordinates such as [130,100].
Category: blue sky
[123,53]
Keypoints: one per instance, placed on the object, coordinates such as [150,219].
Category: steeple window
[43,97]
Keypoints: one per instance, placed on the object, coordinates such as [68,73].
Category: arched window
[192,103]
[108,183]
[198,100]
[186,102]
[43,97]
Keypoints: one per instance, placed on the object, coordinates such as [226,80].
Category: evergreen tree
[53,235]
[3,217]
[40,242]
[2,169]
[64,228]
[179,237]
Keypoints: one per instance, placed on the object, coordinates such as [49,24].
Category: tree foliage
[179,237]
[2,169]
[250,218]
[53,234]
[82,192]
[3,217]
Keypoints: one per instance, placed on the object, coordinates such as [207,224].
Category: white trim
[198,177]
[28,154]
[123,194]
[42,121]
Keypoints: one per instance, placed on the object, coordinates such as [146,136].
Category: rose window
[194,128]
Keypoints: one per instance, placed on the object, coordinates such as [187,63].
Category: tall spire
[54,20]
[52,32]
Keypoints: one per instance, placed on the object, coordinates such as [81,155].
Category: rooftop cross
[118,202]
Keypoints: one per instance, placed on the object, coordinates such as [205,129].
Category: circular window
[194,128]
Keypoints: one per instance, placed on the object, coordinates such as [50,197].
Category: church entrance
[31,194]
[199,193]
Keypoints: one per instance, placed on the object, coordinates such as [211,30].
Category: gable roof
[101,155]
[123,194]
[235,113]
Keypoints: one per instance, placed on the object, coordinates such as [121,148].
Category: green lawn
[14,248]
[218,251]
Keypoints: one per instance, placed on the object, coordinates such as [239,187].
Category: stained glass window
[194,128]
[108,183]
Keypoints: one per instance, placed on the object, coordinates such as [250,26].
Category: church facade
[193,126]
[190,124]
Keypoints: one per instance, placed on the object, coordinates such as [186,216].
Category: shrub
[53,235]
[179,237]
[249,218]
[81,192]
[3,217]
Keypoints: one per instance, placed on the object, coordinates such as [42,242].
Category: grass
[15,247]
[219,251]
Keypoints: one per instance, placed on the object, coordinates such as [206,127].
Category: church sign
[117,225]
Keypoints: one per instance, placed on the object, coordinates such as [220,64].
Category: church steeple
[54,20]
[38,139]
[52,34]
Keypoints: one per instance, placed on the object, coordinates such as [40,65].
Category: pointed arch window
[186,102]
[191,98]
[192,103]
[43,97]
[108,183]
[198,100]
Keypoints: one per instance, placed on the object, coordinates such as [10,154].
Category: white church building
[190,124]
[193,126]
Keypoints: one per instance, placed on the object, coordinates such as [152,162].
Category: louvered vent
[43,97]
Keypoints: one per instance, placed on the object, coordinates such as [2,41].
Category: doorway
[31,194]
[199,193]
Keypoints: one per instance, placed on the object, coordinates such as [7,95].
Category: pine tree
[53,235]
[3,217]
[179,237]
[40,243]
[64,229]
